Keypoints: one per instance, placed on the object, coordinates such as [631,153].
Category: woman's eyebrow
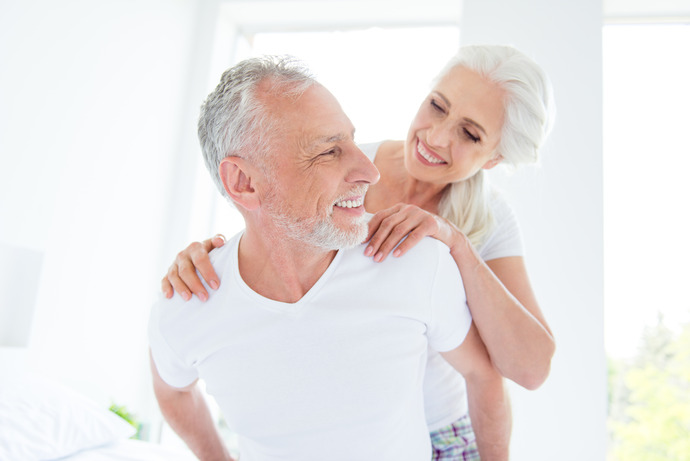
[466,119]
[477,125]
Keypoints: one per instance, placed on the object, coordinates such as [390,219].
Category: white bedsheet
[132,450]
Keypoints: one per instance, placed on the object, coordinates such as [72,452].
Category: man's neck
[280,269]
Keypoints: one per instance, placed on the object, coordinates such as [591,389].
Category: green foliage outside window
[123,413]
[649,399]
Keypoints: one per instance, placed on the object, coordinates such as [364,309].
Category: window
[646,228]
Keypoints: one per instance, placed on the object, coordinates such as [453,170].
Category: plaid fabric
[455,442]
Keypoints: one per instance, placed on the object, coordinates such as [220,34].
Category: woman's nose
[438,135]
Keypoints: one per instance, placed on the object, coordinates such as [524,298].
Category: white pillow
[42,420]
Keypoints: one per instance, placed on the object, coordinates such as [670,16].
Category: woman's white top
[445,393]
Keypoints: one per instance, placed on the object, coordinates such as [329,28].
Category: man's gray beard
[321,232]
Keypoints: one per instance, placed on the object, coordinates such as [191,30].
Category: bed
[42,420]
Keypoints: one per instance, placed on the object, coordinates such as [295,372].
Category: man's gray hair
[234,122]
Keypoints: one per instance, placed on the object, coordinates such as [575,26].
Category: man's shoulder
[428,254]
[221,259]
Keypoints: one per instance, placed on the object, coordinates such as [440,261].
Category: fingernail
[378,257]
[368,251]
[396,253]
[186,296]
[214,284]
[203,297]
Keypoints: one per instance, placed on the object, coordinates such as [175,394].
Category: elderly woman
[489,105]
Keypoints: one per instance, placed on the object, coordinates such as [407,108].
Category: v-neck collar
[293,309]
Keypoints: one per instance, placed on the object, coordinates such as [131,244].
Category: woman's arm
[507,315]
[499,293]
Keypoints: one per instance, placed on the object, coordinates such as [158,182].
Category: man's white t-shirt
[445,393]
[337,375]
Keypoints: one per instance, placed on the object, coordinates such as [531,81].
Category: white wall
[92,95]
[560,209]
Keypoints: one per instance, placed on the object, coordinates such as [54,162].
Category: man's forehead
[325,125]
[315,141]
[313,119]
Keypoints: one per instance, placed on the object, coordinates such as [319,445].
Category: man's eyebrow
[466,119]
[331,139]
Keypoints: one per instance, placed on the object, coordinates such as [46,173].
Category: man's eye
[329,152]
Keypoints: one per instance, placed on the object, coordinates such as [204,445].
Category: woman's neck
[396,185]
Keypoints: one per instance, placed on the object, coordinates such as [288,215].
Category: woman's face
[456,130]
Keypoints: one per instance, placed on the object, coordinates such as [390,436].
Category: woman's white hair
[528,119]
[234,121]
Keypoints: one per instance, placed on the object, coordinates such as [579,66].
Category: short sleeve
[171,368]
[450,315]
[506,238]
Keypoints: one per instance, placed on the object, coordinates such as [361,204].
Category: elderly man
[311,351]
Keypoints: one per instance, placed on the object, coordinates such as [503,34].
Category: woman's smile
[428,155]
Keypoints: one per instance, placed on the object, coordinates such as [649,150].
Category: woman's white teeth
[427,156]
[349,203]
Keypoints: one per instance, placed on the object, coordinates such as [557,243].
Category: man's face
[320,176]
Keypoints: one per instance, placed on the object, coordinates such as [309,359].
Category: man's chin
[330,237]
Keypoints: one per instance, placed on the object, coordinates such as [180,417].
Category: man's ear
[493,162]
[238,177]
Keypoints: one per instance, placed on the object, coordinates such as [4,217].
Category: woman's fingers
[182,275]
[176,283]
[199,259]
[390,227]
[185,278]
[394,235]
[413,238]
[377,219]
[217,241]
[380,228]
[167,288]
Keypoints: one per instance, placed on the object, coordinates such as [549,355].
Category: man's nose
[362,169]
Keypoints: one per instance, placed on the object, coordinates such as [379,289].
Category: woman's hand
[182,276]
[390,226]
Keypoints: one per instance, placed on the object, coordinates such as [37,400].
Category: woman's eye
[470,136]
[435,105]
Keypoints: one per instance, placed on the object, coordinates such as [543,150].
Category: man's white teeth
[349,203]
[427,156]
